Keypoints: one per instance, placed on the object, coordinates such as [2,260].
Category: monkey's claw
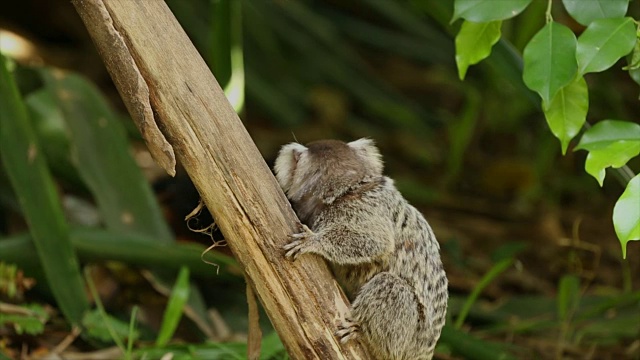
[347,330]
[300,243]
[305,234]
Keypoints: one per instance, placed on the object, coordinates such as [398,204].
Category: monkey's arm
[362,240]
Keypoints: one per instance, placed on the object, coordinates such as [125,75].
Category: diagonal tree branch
[142,41]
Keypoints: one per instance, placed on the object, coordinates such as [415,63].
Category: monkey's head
[324,170]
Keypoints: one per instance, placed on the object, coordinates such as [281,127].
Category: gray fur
[381,249]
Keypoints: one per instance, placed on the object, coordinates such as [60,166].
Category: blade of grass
[175,306]
[226,59]
[132,324]
[28,173]
[103,245]
[103,313]
[496,270]
[568,298]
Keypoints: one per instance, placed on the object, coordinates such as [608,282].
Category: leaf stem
[549,17]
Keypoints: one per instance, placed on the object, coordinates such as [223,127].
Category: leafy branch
[555,65]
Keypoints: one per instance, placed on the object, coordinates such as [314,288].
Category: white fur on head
[369,153]
[286,163]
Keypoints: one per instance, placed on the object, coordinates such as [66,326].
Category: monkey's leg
[387,314]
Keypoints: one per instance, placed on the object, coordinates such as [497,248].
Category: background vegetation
[97,261]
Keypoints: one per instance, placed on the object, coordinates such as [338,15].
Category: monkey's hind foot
[300,243]
[347,330]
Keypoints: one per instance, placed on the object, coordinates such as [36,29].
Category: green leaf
[225,52]
[487,10]
[474,43]
[30,319]
[610,143]
[604,42]
[29,175]
[615,155]
[103,158]
[103,326]
[100,245]
[567,111]
[550,60]
[606,132]
[626,214]
[568,296]
[586,11]
[173,312]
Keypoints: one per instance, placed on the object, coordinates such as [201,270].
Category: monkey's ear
[286,163]
[368,151]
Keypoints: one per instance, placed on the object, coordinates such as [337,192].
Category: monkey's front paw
[301,243]
[347,329]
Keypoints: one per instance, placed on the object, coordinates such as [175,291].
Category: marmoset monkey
[381,249]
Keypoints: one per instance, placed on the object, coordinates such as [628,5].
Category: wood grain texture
[302,300]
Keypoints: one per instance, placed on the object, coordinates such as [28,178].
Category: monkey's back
[415,257]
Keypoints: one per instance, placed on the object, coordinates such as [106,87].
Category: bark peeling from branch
[132,86]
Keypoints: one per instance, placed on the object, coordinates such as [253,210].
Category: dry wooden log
[165,83]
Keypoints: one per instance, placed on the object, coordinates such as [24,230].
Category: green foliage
[488,10]
[226,57]
[9,274]
[626,214]
[586,12]
[29,320]
[549,60]
[470,347]
[106,328]
[554,65]
[32,182]
[610,143]
[603,43]
[100,152]
[567,111]
[173,312]
[474,42]
[494,272]
[568,296]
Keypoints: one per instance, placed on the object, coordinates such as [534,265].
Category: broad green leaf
[550,60]
[604,42]
[49,125]
[474,42]
[488,10]
[100,245]
[175,306]
[610,143]
[607,132]
[103,158]
[567,111]
[586,11]
[626,214]
[568,296]
[25,165]
[616,155]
